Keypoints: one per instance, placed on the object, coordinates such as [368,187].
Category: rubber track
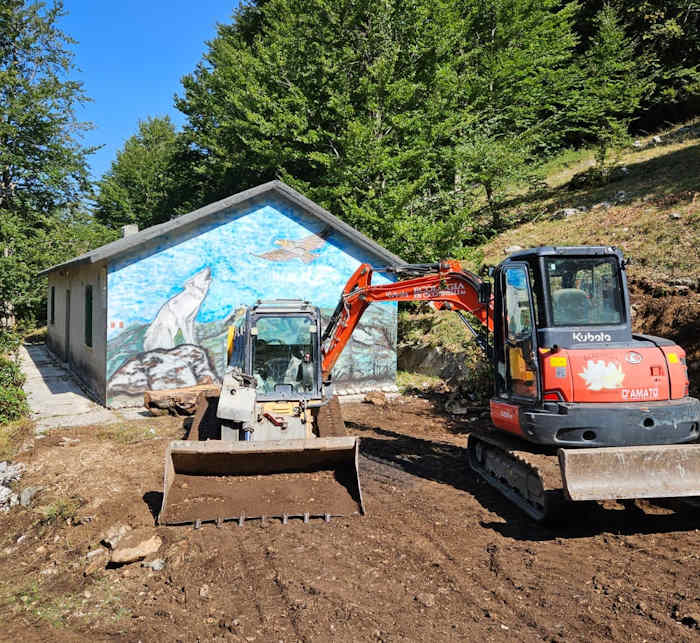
[528,460]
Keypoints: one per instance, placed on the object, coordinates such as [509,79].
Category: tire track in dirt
[454,569]
[282,590]
[598,622]
[269,591]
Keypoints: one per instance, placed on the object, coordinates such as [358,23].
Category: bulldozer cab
[277,344]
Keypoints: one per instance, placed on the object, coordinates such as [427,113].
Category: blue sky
[131,56]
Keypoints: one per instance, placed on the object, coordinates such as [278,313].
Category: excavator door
[516,335]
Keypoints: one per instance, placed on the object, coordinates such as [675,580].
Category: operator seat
[570,307]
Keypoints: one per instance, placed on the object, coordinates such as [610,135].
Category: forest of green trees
[407,119]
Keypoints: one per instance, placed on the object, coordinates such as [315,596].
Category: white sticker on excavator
[599,375]
[637,394]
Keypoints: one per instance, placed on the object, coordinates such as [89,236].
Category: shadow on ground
[54,373]
[446,463]
[154,501]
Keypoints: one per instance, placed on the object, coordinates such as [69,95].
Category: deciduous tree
[43,172]
[139,187]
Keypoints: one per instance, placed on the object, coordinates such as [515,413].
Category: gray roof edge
[125,244]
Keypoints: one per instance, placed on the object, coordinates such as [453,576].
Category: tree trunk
[495,214]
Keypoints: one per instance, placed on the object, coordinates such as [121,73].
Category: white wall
[87,362]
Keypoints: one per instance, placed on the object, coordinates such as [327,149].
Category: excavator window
[519,333]
[283,354]
[584,291]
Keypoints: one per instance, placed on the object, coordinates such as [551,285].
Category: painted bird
[298,248]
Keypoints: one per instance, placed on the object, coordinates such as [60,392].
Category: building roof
[192,219]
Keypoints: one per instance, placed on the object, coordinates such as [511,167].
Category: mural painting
[172,332]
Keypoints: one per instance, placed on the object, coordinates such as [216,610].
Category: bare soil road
[438,557]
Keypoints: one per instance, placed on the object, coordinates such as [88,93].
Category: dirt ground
[438,557]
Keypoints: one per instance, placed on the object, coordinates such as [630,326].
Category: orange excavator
[583,409]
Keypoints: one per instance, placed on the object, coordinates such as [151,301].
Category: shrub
[9,341]
[13,401]
[10,374]
[13,404]
[61,510]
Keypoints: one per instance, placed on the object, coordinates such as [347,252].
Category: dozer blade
[611,473]
[216,480]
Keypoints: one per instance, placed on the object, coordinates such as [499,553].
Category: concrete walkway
[55,396]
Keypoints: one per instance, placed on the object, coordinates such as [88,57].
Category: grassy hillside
[652,212]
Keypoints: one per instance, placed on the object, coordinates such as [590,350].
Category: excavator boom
[445,284]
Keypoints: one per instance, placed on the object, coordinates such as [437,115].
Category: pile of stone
[9,473]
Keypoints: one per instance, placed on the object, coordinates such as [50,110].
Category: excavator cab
[271,443]
[570,373]
[567,363]
[550,298]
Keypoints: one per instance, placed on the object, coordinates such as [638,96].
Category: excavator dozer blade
[612,473]
[218,480]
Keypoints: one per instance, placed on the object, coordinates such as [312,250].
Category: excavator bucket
[610,473]
[217,480]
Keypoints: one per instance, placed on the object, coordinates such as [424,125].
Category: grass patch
[61,510]
[408,382]
[52,609]
[656,222]
[436,328]
[128,432]
[39,601]
[13,435]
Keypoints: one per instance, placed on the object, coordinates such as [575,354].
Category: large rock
[114,534]
[28,493]
[156,565]
[565,213]
[377,398]
[97,560]
[136,545]
[8,498]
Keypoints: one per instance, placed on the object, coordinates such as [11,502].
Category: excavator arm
[445,284]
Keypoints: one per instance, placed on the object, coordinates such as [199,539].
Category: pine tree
[363,105]
[611,89]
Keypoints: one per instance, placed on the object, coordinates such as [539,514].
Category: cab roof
[566,251]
